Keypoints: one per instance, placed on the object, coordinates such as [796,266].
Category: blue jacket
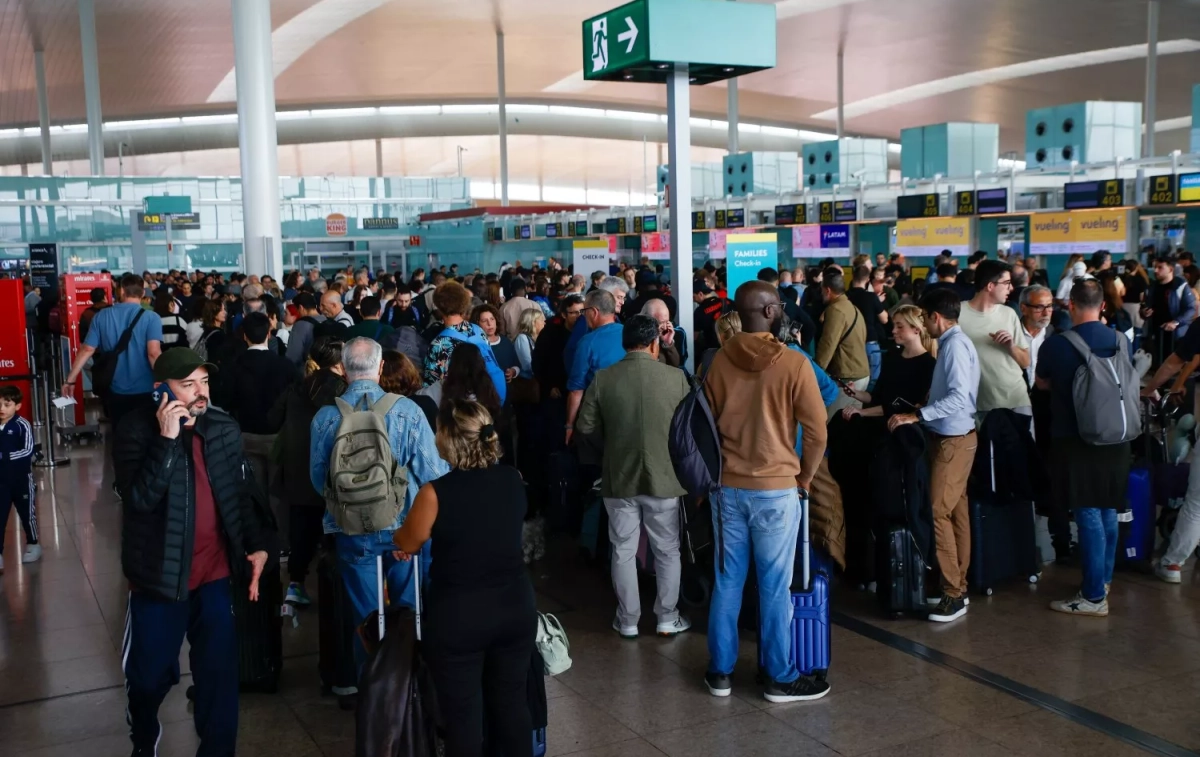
[1181,301]
[16,449]
[829,393]
[408,431]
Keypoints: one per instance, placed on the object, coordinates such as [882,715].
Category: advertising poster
[747,254]
[1079,232]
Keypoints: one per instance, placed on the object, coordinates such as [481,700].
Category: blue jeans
[356,557]
[764,524]
[1098,549]
[874,361]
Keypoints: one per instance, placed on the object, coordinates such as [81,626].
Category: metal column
[500,97]
[257,138]
[841,94]
[732,107]
[39,66]
[679,160]
[1151,105]
[91,85]
[379,157]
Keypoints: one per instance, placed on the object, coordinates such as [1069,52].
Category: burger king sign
[335,225]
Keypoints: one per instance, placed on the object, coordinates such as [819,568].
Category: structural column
[257,138]
[841,95]
[39,66]
[679,160]
[1151,104]
[500,97]
[732,107]
[91,85]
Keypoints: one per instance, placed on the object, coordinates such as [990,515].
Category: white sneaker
[1172,574]
[934,601]
[625,632]
[33,553]
[674,628]
[1080,606]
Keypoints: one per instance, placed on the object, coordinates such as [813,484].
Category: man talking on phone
[189,527]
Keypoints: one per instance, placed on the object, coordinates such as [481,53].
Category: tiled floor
[61,684]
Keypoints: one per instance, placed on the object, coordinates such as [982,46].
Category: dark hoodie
[293,414]
[760,391]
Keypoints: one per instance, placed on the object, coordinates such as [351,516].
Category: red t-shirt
[209,561]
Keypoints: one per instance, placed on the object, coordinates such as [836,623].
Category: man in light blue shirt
[950,420]
[133,379]
[600,348]
[412,444]
[615,286]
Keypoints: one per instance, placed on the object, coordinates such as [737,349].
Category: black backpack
[104,363]
[695,446]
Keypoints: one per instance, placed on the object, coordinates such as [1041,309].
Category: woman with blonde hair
[474,515]
[907,372]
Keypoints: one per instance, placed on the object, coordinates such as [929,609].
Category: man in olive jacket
[627,411]
[189,525]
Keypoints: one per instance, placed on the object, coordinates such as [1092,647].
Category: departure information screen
[791,214]
[1079,195]
[841,211]
[917,206]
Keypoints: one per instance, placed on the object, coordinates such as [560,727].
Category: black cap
[178,364]
[700,286]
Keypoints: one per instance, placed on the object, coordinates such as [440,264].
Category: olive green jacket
[627,412]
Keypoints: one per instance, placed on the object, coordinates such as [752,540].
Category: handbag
[552,645]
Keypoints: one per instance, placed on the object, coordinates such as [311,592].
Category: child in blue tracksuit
[16,473]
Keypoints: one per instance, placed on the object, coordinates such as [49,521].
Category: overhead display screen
[1189,187]
[917,206]
[841,211]
[1079,195]
[526,231]
[581,228]
[552,230]
[732,218]
[699,220]
[649,224]
[791,214]
[984,202]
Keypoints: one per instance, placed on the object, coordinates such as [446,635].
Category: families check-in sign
[746,255]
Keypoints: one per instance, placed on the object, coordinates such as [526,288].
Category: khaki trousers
[950,459]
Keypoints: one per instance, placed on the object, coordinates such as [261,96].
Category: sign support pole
[501,101]
[91,86]
[679,158]
[39,67]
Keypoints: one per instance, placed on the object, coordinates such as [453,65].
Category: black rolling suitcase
[335,631]
[1003,544]
[901,571]
[259,631]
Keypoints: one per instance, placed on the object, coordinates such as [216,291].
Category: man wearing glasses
[999,338]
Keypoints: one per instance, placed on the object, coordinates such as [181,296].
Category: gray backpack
[1105,392]
[366,485]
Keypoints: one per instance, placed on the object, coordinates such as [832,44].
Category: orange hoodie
[759,391]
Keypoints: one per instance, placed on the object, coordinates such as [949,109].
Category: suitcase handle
[806,574]
[416,572]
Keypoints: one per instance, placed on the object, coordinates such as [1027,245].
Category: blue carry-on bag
[810,634]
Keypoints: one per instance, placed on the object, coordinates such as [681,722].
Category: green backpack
[366,485]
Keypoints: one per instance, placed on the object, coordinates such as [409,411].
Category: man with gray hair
[669,338]
[600,348]
[412,447]
[615,286]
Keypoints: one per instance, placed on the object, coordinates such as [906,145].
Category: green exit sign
[642,41]
[167,205]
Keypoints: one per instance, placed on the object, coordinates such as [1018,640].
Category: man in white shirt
[1037,305]
[999,338]
[332,308]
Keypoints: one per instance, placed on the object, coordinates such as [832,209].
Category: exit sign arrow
[629,34]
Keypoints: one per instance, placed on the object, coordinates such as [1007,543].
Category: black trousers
[478,645]
[304,536]
[117,406]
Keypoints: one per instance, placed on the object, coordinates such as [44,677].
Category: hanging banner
[591,255]
[747,255]
[1079,232]
[924,237]
[821,240]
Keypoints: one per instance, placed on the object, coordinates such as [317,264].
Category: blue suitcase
[810,634]
[1136,537]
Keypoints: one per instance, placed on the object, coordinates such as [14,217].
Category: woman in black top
[906,374]
[480,616]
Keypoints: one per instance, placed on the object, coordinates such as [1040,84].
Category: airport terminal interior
[264,137]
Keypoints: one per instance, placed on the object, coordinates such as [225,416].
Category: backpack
[104,362]
[495,372]
[1105,393]
[365,487]
[406,339]
[695,446]
[201,347]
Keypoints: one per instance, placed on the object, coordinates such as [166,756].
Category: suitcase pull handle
[416,573]
[806,574]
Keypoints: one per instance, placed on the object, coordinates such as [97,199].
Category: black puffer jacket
[156,479]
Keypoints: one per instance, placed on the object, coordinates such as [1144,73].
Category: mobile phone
[163,390]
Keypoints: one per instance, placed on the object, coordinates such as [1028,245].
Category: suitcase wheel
[988,591]
[1034,578]
[695,590]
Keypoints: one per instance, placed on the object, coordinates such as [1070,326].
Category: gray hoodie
[301,339]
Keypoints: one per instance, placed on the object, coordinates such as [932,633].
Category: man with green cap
[189,526]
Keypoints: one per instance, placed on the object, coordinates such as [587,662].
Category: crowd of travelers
[231,397]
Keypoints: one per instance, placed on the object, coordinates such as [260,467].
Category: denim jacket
[408,431]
